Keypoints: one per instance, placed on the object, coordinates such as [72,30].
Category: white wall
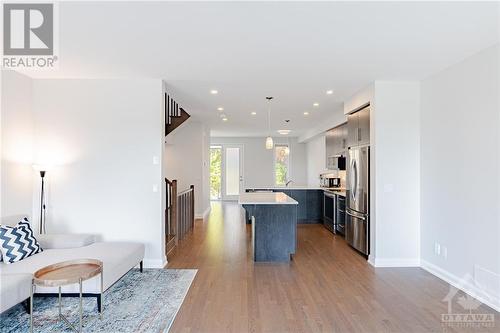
[103,136]
[460,181]
[316,159]
[186,160]
[17,175]
[396,135]
[259,163]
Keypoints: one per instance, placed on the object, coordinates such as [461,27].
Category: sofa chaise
[117,258]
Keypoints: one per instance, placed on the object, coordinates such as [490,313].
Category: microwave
[336,162]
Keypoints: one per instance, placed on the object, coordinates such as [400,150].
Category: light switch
[388,188]
[156,160]
[155,188]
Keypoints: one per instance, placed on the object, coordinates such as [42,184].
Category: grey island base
[274,225]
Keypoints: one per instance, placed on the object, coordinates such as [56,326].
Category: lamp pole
[42,204]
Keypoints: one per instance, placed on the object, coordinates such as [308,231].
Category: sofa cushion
[65,241]
[18,242]
[13,289]
[117,258]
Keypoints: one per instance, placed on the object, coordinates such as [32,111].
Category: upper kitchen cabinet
[336,145]
[358,128]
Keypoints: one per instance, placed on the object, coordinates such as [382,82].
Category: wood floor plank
[327,287]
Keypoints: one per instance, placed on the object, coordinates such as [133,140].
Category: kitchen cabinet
[336,145]
[310,207]
[358,128]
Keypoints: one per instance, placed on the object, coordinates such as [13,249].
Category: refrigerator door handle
[355,216]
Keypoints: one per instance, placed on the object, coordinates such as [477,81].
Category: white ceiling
[294,51]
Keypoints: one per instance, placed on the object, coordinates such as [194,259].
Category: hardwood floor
[326,288]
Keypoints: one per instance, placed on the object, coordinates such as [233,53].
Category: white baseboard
[205,214]
[155,263]
[371,260]
[394,262]
[466,286]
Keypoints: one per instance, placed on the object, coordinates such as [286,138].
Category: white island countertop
[266,198]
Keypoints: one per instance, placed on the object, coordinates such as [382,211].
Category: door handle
[355,216]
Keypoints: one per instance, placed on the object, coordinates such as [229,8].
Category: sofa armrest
[65,241]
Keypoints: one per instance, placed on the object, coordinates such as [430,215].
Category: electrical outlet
[445,252]
[437,249]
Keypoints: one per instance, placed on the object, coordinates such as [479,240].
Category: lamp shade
[41,167]
[269,143]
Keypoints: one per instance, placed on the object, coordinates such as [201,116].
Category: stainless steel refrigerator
[357,226]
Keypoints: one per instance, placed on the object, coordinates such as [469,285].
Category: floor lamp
[41,227]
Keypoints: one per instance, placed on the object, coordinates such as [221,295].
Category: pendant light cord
[269,99]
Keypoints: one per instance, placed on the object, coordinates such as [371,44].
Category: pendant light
[269,139]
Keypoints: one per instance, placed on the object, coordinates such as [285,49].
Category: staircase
[174,115]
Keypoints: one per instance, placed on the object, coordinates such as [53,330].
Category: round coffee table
[65,273]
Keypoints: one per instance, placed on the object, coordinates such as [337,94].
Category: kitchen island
[274,225]
[309,198]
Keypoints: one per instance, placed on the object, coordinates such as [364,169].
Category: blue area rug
[139,302]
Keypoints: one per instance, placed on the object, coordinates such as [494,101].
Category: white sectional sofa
[117,258]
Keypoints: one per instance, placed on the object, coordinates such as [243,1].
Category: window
[215,172]
[281,167]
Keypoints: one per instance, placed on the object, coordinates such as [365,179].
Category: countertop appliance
[357,228]
[330,182]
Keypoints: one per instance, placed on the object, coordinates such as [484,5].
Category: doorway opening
[226,172]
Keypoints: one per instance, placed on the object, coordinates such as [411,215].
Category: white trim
[205,214]
[155,263]
[371,260]
[467,287]
[396,262]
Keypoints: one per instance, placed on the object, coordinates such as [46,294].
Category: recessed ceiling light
[284,132]
[224,119]
[329,92]
[214,92]
[253,113]
[306,113]
[220,108]
[316,104]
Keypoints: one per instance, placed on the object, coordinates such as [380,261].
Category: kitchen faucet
[288,182]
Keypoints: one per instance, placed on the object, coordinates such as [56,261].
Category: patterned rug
[139,302]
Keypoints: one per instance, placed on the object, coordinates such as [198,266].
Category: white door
[232,172]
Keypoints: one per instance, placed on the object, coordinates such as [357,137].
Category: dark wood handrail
[186,191]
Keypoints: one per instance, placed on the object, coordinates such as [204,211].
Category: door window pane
[215,172]
[281,157]
[232,171]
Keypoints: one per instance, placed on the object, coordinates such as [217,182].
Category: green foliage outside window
[281,164]
[215,172]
